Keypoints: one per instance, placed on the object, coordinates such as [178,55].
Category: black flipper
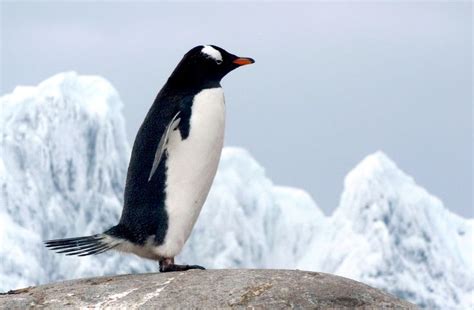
[162,144]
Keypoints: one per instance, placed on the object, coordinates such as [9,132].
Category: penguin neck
[190,84]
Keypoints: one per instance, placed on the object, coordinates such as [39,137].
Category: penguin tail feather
[83,246]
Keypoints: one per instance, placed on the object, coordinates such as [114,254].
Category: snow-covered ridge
[63,160]
[102,98]
[391,233]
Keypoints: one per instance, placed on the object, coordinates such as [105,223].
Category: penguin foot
[168,265]
[173,267]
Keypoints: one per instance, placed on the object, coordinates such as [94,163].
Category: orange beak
[242,61]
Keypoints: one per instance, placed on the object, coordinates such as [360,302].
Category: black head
[205,66]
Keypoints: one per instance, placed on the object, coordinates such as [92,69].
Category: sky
[332,83]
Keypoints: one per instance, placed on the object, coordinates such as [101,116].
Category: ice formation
[392,234]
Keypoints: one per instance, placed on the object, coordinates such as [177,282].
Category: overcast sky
[332,83]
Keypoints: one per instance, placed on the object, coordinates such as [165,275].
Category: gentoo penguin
[173,163]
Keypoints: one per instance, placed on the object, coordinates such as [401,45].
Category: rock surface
[206,289]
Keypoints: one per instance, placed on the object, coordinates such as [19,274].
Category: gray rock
[275,289]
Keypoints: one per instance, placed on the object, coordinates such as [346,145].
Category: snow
[63,160]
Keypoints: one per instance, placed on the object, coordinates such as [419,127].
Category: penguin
[173,163]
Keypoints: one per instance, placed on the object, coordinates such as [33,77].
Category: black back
[144,211]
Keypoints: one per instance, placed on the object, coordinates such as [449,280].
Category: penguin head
[206,65]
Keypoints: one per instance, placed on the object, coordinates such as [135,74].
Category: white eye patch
[212,53]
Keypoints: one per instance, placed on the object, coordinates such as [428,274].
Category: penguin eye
[218,61]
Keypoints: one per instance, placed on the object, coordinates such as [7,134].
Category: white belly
[192,164]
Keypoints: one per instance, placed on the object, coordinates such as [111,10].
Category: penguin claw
[173,267]
[196,267]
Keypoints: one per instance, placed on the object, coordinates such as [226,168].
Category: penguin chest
[191,167]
